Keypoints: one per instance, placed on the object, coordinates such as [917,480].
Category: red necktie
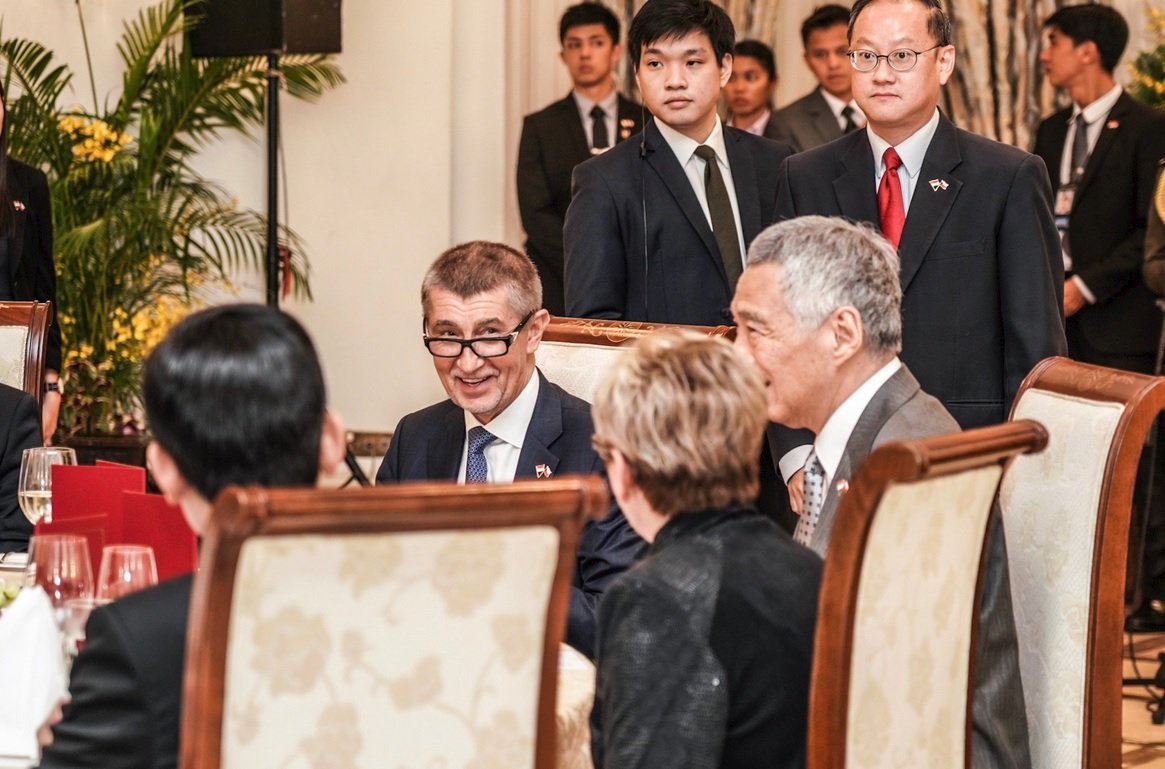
[891,211]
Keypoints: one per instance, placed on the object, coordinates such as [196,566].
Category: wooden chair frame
[36,316]
[1144,399]
[240,514]
[900,462]
[615,333]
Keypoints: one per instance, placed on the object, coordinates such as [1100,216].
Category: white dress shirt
[837,106]
[831,441]
[610,107]
[758,126]
[685,152]
[509,427]
[912,150]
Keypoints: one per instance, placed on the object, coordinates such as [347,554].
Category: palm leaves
[135,224]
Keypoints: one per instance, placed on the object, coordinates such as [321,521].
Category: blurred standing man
[591,118]
[749,92]
[1102,154]
[828,111]
[818,314]
[981,272]
[483,321]
[658,226]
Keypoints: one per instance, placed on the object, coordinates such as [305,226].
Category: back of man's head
[823,17]
[1093,23]
[828,263]
[585,14]
[235,395]
[478,266]
[670,19]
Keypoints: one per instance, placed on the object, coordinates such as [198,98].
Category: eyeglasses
[901,60]
[482,346]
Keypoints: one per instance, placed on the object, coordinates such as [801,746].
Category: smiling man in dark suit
[818,314]
[658,226]
[1102,154]
[483,322]
[591,118]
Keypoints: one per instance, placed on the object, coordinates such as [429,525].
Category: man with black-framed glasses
[482,322]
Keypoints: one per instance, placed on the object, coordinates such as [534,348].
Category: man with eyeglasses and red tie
[982,276]
[483,321]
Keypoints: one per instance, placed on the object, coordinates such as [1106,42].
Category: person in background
[705,647]
[234,395]
[481,310]
[27,272]
[20,429]
[590,120]
[829,111]
[749,92]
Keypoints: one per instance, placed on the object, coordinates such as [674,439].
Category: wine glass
[35,492]
[59,563]
[125,569]
[75,617]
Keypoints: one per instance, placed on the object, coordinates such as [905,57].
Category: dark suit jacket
[126,685]
[900,410]
[706,647]
[553,143]
[427,446]
[672,273]
[806,123]
[1106,229]
[30,257]
[19,430]
[982,275]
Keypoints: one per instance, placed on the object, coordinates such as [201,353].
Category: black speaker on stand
[267,28]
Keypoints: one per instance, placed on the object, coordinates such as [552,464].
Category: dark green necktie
[723,221]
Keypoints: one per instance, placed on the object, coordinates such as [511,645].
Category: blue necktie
[476,469]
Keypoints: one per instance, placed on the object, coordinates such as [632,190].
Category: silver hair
[828,263]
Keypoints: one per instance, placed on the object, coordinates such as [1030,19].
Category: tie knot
[847,112]
[891,159]
[479,438]
[597,112]
[706,153]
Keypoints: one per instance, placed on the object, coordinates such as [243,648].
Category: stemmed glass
[125,569]
[59,563]
[35,491]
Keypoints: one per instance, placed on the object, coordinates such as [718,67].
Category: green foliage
[140,236]
[1148,85]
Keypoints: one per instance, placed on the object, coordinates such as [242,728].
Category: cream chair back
[23,333]
[1066,512]
[404,626]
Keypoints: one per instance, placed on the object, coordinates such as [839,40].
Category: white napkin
[32,668]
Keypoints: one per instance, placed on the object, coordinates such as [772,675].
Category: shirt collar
[757,128]
[511,424]
[836,105]
[912,150]
[831,441]
[684,148]
[609,104]
[1099,108]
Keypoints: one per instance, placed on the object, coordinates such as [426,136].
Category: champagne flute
[59,563]
[35,491]
[125,569]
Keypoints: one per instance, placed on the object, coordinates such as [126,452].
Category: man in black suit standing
[483,321]
[234,396]
[19,430]
[829,110]
[1102,153]
[982,277]
[658,226]
[591,118]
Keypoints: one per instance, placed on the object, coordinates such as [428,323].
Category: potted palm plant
[141,237]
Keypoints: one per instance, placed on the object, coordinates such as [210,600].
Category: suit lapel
[545,428]
[663,162]
[890,397]
[854,185]
[1051,154]
[19,222]
[744,181]
[822,119]
[446,446]
[929,206]
[1104,142]
[571,124]
[632,112]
